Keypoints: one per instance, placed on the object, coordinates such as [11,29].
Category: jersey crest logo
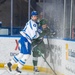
[34,25]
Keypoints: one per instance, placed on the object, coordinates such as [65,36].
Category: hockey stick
[46,61]
[50,52]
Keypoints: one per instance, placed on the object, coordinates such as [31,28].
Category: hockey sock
[22,61]
[20,64]
[35,67]
[16,58]
[34,63]
[35,60]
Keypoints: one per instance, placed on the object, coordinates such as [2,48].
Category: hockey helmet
[43,22]
[34,13]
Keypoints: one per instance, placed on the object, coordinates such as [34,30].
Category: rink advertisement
[57,54]
[70,58]
[61,55]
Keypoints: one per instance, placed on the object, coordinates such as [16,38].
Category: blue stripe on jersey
[28,36]
[34,36]
[15,59]
[30,25]
[24,29]
[22,62]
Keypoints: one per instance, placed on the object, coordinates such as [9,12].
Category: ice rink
[5,72]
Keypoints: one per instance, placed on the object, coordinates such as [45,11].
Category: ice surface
[4,72]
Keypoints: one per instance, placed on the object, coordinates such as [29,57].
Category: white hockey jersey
[30,30]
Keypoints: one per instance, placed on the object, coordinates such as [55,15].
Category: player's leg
[35,60]
[13,61]
[22,62]
[36,54]
[26,51]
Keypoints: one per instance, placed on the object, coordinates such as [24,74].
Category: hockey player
[44,31]
[28,34]
[40,17]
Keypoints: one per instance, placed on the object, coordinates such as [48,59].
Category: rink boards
[61,57]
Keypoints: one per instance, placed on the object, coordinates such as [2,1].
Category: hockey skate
[36,69]
[8,67]
[18,71]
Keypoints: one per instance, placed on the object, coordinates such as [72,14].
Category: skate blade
[6,68]
[18,74]
[36,71]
